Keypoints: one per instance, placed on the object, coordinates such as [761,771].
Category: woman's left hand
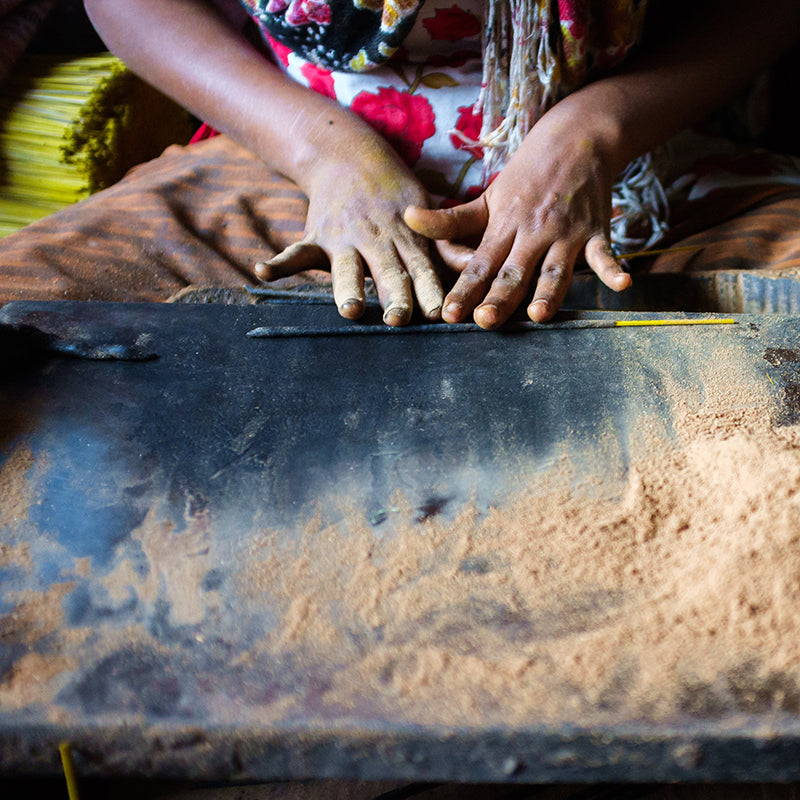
[550,205]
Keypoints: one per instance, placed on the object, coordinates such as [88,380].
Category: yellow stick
[642,253]
[637,323]
[69,770]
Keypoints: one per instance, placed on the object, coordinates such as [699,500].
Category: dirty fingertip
[263,270]
[451,312]
[397,315]
[487,316]
[540,310]
[433,314]
[351,309]
[622,281]
[430,296]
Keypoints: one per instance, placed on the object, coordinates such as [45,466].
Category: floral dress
[421,98]
[414,70]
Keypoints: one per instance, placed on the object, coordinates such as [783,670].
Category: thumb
[454,224]
[454,256]
[295,258]
[600,258]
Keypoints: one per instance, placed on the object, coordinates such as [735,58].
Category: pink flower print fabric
[422,99]
[405,120]
[452,24]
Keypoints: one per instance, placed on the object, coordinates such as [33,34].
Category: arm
[552,202]
[189,52]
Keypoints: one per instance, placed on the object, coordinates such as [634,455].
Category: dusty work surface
[560,555]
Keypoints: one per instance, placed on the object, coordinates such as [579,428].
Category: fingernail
[486,316]
[351,308]
[452,308]
[396,315]
[434,313]
[539,308]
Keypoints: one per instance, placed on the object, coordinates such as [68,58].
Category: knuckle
[511,275]
[552,220]
[555,271]
[479,270]
[391,275]
[372,229]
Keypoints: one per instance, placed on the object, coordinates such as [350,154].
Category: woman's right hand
[358,190]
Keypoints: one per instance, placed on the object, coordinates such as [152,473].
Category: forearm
[694,70]
[184,48]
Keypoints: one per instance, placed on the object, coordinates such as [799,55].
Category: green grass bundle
[72,126]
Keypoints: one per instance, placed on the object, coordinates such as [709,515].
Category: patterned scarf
[538,51]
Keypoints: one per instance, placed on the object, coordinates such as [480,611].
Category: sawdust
[123,579]
[16,555]
[178,562]
[678,595]
[14,487]
[35,615]
[32,679]
[83,567]
[671,591]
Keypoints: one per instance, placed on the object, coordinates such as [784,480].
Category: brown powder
[33,679]
[178,563]
[572,602]
[83,567]
[666,590]
[35,615]
[14,487]
[16,555]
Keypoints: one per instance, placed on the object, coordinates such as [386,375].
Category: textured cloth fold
[204,214]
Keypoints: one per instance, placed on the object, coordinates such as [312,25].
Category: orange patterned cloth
[197,215]
[205,213]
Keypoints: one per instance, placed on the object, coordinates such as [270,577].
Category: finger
[347,275]
[427,286]
[295,258]
[553,283]
[458,222]
[454,256]
[474,282]
[393,284]
[510,287]
[600,257]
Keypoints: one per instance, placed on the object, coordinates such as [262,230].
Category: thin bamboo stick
[63,129]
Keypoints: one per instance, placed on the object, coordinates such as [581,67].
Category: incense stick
[295,331]
[643,253]
[69,770]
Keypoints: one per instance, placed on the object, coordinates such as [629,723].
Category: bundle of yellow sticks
[72,126]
